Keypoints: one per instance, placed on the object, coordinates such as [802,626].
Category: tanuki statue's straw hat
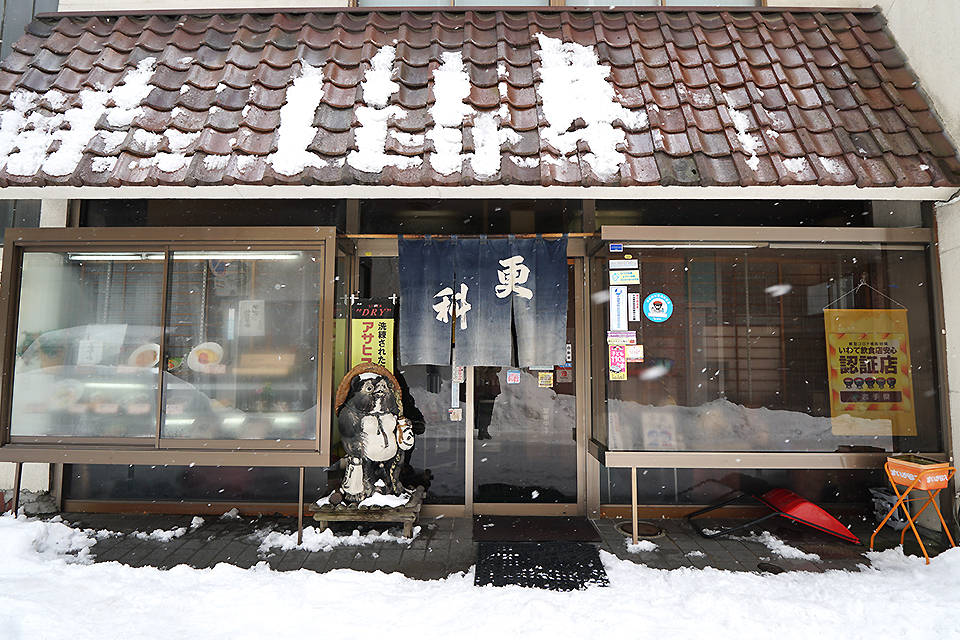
[343,389]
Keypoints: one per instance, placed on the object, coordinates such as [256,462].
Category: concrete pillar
[948,235]
[54,213]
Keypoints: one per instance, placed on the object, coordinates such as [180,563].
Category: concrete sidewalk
[445,546]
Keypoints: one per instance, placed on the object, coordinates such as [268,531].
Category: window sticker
[658,307]
[618,362]
[633,307]
[618,308]
[631,276]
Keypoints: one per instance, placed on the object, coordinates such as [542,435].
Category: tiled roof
[455,98]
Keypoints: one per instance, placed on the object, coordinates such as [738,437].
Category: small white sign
[621,337]
[634,352]
[625,277]
[251,318]
[618,308]
[89,352]
[659,432]
[624,264]
[633,301]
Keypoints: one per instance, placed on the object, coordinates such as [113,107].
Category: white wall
[35,477]
[948,232]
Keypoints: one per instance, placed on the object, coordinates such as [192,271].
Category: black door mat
[534,529]
[558,566]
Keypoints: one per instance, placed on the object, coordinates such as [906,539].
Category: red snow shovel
[783,503]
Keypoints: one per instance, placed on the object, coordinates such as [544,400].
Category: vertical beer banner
[868,367]
[372,332]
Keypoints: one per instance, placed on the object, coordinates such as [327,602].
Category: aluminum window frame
[157,450]
[813,239]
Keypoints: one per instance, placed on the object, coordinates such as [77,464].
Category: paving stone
[317,563]
[204,558]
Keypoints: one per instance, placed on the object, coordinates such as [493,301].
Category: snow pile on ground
[782,549]
[46,594]
[315,539]
[166,536]
[26,542]
[160,535]
[775,544]
[642,545]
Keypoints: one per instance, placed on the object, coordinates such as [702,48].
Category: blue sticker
[657,307]
[616,248]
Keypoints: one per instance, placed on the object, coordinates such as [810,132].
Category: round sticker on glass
[657,307]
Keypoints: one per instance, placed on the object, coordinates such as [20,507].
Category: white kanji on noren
[446,307]
[513,274]
[462,305]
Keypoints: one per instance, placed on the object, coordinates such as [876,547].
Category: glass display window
[144,340]
[88,347]
[731,349]
[241,345]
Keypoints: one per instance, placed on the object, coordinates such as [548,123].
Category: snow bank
[46,595]
[725,426]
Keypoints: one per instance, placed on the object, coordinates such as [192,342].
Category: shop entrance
[524,440]
[497,440]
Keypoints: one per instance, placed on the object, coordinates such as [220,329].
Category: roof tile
[639,171]
[188,120]
[631,97]
[230,98]
[36,80]
[331,118]
[713,144]
[241,56]
[412,98]
[266,120]
[68,81]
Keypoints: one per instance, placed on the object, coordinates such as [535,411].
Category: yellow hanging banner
[868,367]
[372,333]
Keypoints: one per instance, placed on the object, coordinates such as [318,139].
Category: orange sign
[868,365]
